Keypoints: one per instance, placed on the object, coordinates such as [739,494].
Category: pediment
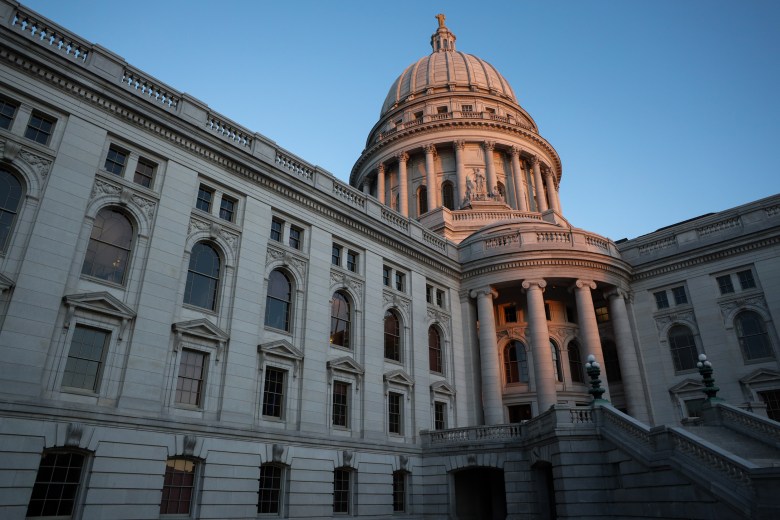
[100,302]
[5,283]
[346,364]
[281,348]
[202,329]
[688,385]
[398,377]
[443,388]
[762,375]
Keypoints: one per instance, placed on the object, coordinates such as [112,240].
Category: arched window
[515,363]
[556,357]
[271,490]
[575,362]
[392,336]
[56,487]
[203,277]
[10,196]
[682,348]
[752,335]
[435,361]
[340,317]
[501,190]
[277,302]
[108,252]
[422,200]
[611,361]
[447,197]
[178,492]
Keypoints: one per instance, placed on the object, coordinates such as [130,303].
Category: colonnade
[538,341]
[543,191]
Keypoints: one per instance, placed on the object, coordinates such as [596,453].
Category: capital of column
[380,168]
[484,291]
[430,149]
[515,151]
[581,284]
[489,145]
[616,292]
[528,284]
[459,145]
[534,160]
[402,157]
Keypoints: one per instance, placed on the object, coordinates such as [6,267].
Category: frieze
[215,231]
[40,164]
[561,332]
[274,254]
[395,300]
[125,194]
[438,315]
[341,278]
[667,319]
[756,300]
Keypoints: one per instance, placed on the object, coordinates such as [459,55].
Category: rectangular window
[441,110]
[386,276]
[56,487]
[440,298]
[352,259]
[661,300]
[399,491]
[144,173]
[679,295]
[178,487]
[335,255]
[418,115]
[340,404]
[341,490]
[400,281]
[273,392]
[467,108]
[547,314]
[276,230]
[295,237]
[510,314]
[394,412]
[746,280]
[693,407]
[85,358]
[115,160]
[227,209]
[772,400]
[429,294]
[189,385]
[205,196]
[7,113]
[39,128]
[269,494]
[519,413]
[439,415]
[602,314]
[724,284]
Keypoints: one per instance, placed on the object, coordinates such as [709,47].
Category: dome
[447,69]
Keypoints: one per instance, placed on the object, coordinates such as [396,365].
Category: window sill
[90,278]
[195,308]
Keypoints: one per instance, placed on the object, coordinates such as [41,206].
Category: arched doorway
[480,494]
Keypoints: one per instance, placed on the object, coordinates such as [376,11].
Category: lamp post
[594,371]
[705,369]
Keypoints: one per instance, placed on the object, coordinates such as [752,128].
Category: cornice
[546,262]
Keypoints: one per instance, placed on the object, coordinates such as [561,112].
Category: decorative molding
[298,263]
[40,164]
[203,331]
[664,320]
[282,349]
[73,434]
[215,231]
[339,278]
[127,196]
[102,303]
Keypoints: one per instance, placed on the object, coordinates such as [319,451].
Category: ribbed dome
[447,68]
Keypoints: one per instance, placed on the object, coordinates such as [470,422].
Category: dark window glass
[447,197]
[399,281]
[422,200]
[611,361]
[429,294]
[340,316]
[56,485]
[189,384]
[178,487]
[602,314]
[746,280]
[515,363]
[392,336]
[335,255]
[547,312]
[386,276]
[7,113]
[108,252]
[752,334]
[144,173]
[575,362]
[10,196]
[435,361]
[277,303]
[269,494]
[772,400]
[203,277]
[352,261]
[273,392]
[115,161]
[276,230]
[439,415]
[399,491]
[693,407]
[85,358]
[341,492]
[340,404]
[510,314]
[556,357]
[519,413]
[39,128]
[679,295]
[394,401]
[227,209]
[205,195]
[683,348]
[724,284]
[661,300]
[295,237]
[440,298]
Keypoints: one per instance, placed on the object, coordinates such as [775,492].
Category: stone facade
[198,323]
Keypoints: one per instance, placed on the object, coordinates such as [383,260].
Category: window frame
[5,241]
[288,303]
[342,408]
[400,490]
[576,366]
[217,280]
[4,103]
[676,350]
[33,132]
[436,352]
[394,337]
[763,333]
[513,365]
[343,494]
[201,393]
[98,247]
[80,486]
[117,167]
[101,363]
[281,396]
[439,415]
[337,319]
[280,501]
[395,413]
[169,478]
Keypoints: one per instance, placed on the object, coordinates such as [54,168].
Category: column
[552,194]
[460,173]
[544,375]
[589,330]
[367,187]
[403,186]
[490,168]
[517,174]
[430,176]
[380,183]
[629,364]
[541,201]
[488,353]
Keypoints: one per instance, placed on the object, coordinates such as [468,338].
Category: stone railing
[554,236]
[395,219]
[152,90]
[230,131]
[502,241]
[295,166]
[492,216]
[434,240]
[349,195]
[48,35]
[747,423]
[715,461]
[498,433]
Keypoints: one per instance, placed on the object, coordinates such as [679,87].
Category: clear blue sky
[661,110]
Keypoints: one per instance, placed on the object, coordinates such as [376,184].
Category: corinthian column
[380,183]
[403,187]
[541,200]
[552,194]
[430,176]
[490,168]
[517,174]
[544,376]
[589,330]
[488,354]
[460,172]
[629,365]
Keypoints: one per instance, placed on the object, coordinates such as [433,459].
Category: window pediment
[204,333]
[282,349]
[345,365]
[398,377]
[762,375]
[100,302]
[5,283]
[442,388]
[688,385]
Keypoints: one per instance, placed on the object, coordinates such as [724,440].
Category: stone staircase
[758,452]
